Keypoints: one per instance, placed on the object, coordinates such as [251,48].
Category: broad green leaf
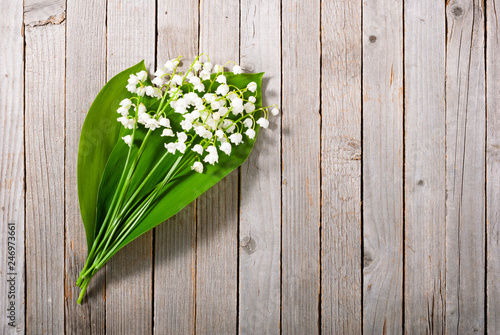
[187,186]
[98,138]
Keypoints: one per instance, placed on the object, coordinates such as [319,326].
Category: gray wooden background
[371,205]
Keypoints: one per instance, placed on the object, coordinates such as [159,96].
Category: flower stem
[109,249]
[114,222]
[103,226]
[140,211]
[84,286]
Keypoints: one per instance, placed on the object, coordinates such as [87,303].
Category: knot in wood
[248,245]
[457,11]
[367,259]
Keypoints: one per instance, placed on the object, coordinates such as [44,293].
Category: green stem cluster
[124,214]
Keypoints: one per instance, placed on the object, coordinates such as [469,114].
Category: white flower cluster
[215,114]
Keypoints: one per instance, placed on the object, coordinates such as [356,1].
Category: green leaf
[187,185]
[100,133]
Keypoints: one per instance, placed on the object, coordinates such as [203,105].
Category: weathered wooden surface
[300,280]
[260,185]
[12,210]
[425,272]
[44,34]
[341,168]
[493,168]
[382,166]
[84,18]
[372,204]
[465,168]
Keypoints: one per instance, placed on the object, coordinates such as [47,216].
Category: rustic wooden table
[372,205]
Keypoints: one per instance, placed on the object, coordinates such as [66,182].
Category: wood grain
[382,166]
[493,167]
[425,167]
[260,191]
[384,153]
[465,168]
[341,287]
[217,237]
[83,56]
[301,168]
[12,291]
[129,301]
[175,240]
[44,137]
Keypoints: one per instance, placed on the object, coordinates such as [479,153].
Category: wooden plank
[341,168]
[175,240]
[382,166]
[260,191]
[12,169]
[130,38]
[44,138]
[465,168]
[217,210]
[301,167]
[493,167]
[425,176]
[85,76]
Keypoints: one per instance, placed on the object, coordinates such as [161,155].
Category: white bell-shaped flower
[164,122]
[252,86]
[152,124]
[126,103]
[223,89]
[160,73]
[167,132]
[219,134]
[182,137]
[207,66]
[127,139]
[123,111]
[221,79]
[198,167]
[198,149]
[158,81]
[144,118]
[250,133]
[186,125]
[223,111]
[142,75]
[205,75]
[133,80]
[249,107]
[236,138]
[169,66]
[218,68]
[237,69]
[177,80]
[248,122]
[197,66]
[171,147]
[263,122]
[226,148]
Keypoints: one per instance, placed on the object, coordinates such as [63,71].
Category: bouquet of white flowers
[176,137]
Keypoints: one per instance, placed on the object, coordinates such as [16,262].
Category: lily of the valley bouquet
[149,148]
